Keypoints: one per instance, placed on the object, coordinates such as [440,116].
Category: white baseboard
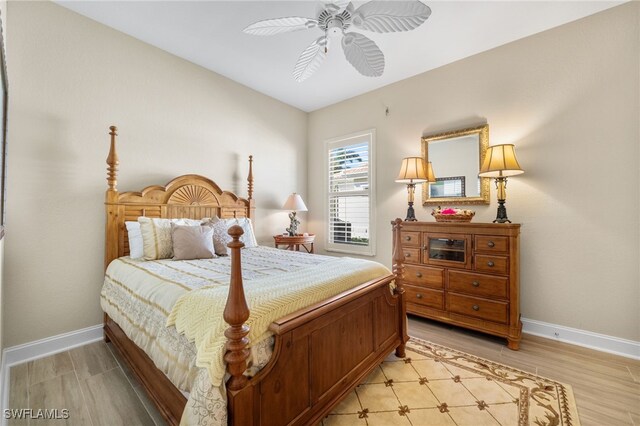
[40,349]
[51,345]
[587,339]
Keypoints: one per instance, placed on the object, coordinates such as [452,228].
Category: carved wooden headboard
[187,196]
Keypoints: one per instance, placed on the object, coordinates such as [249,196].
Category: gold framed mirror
[456,157]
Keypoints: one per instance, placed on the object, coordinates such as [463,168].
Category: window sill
[346,251]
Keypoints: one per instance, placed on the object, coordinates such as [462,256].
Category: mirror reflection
[456,158]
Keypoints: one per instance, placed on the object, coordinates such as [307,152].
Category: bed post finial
[250,177]
[251,211]
[111,198]
[398,270]
[236,312]
[112,161]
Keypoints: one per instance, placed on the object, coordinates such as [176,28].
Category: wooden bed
[320,353]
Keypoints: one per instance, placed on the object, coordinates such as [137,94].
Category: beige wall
[568,99]
[70,79]
[3,18]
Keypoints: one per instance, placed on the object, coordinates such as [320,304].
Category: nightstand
[293,243]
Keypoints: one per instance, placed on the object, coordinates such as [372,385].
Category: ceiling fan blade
[336,5]
[365,56]
[391,16]
[310,59]
[280,25]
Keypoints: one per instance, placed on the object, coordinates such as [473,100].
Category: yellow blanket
[198,313]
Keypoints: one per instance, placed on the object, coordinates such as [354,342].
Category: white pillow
[187,222]
[135,240]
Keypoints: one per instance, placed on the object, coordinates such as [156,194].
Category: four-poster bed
[320,353]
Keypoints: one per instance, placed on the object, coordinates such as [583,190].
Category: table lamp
[294,203]
[499,163]
[414,170]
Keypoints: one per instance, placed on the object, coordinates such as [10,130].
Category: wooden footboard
[320,355]
[321,352]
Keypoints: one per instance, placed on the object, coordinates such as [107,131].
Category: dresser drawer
[478,284]
[491,244]
[411,255]
[492,264]
[478,308]
[423,276]
[424,296]
[410,239]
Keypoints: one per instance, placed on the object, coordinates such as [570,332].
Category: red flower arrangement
[450,214]
[448,211]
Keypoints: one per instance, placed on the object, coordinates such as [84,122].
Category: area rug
[435,385]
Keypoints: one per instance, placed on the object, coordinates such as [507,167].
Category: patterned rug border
[567,402]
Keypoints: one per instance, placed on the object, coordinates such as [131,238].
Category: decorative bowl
[452,215]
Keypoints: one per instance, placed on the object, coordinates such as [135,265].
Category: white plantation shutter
[450,187]
[453,188]
[349,169]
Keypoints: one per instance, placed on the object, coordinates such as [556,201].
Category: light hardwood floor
[93,383]
[90,381]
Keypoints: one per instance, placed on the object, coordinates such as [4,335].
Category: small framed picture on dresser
[3,129]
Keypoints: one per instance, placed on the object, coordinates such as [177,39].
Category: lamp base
[501,216]
[293,227]
[411,214]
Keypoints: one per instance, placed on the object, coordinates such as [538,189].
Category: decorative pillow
[135,240]
[192,242]
[221,235]
[156,236]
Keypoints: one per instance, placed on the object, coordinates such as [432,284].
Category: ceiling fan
[335,18]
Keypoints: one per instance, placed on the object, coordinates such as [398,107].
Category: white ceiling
[209,33]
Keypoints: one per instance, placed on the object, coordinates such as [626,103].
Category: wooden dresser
[466,274]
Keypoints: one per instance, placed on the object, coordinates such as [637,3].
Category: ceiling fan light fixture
[334,19]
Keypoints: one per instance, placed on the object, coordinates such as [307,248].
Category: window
[349,168]
[448,187]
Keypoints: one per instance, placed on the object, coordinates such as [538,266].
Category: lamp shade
[414,170]
[431,177]
[500,161]
[295,203]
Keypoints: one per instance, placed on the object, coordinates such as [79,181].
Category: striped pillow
[156,236]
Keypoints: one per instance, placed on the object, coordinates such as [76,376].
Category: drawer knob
[475,284]
[419,296]
[407,255]
[490,263]
[491,244]
[475,307]
[419,274]
[407,238]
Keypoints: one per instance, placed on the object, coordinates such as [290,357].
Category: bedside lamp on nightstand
[294,203]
